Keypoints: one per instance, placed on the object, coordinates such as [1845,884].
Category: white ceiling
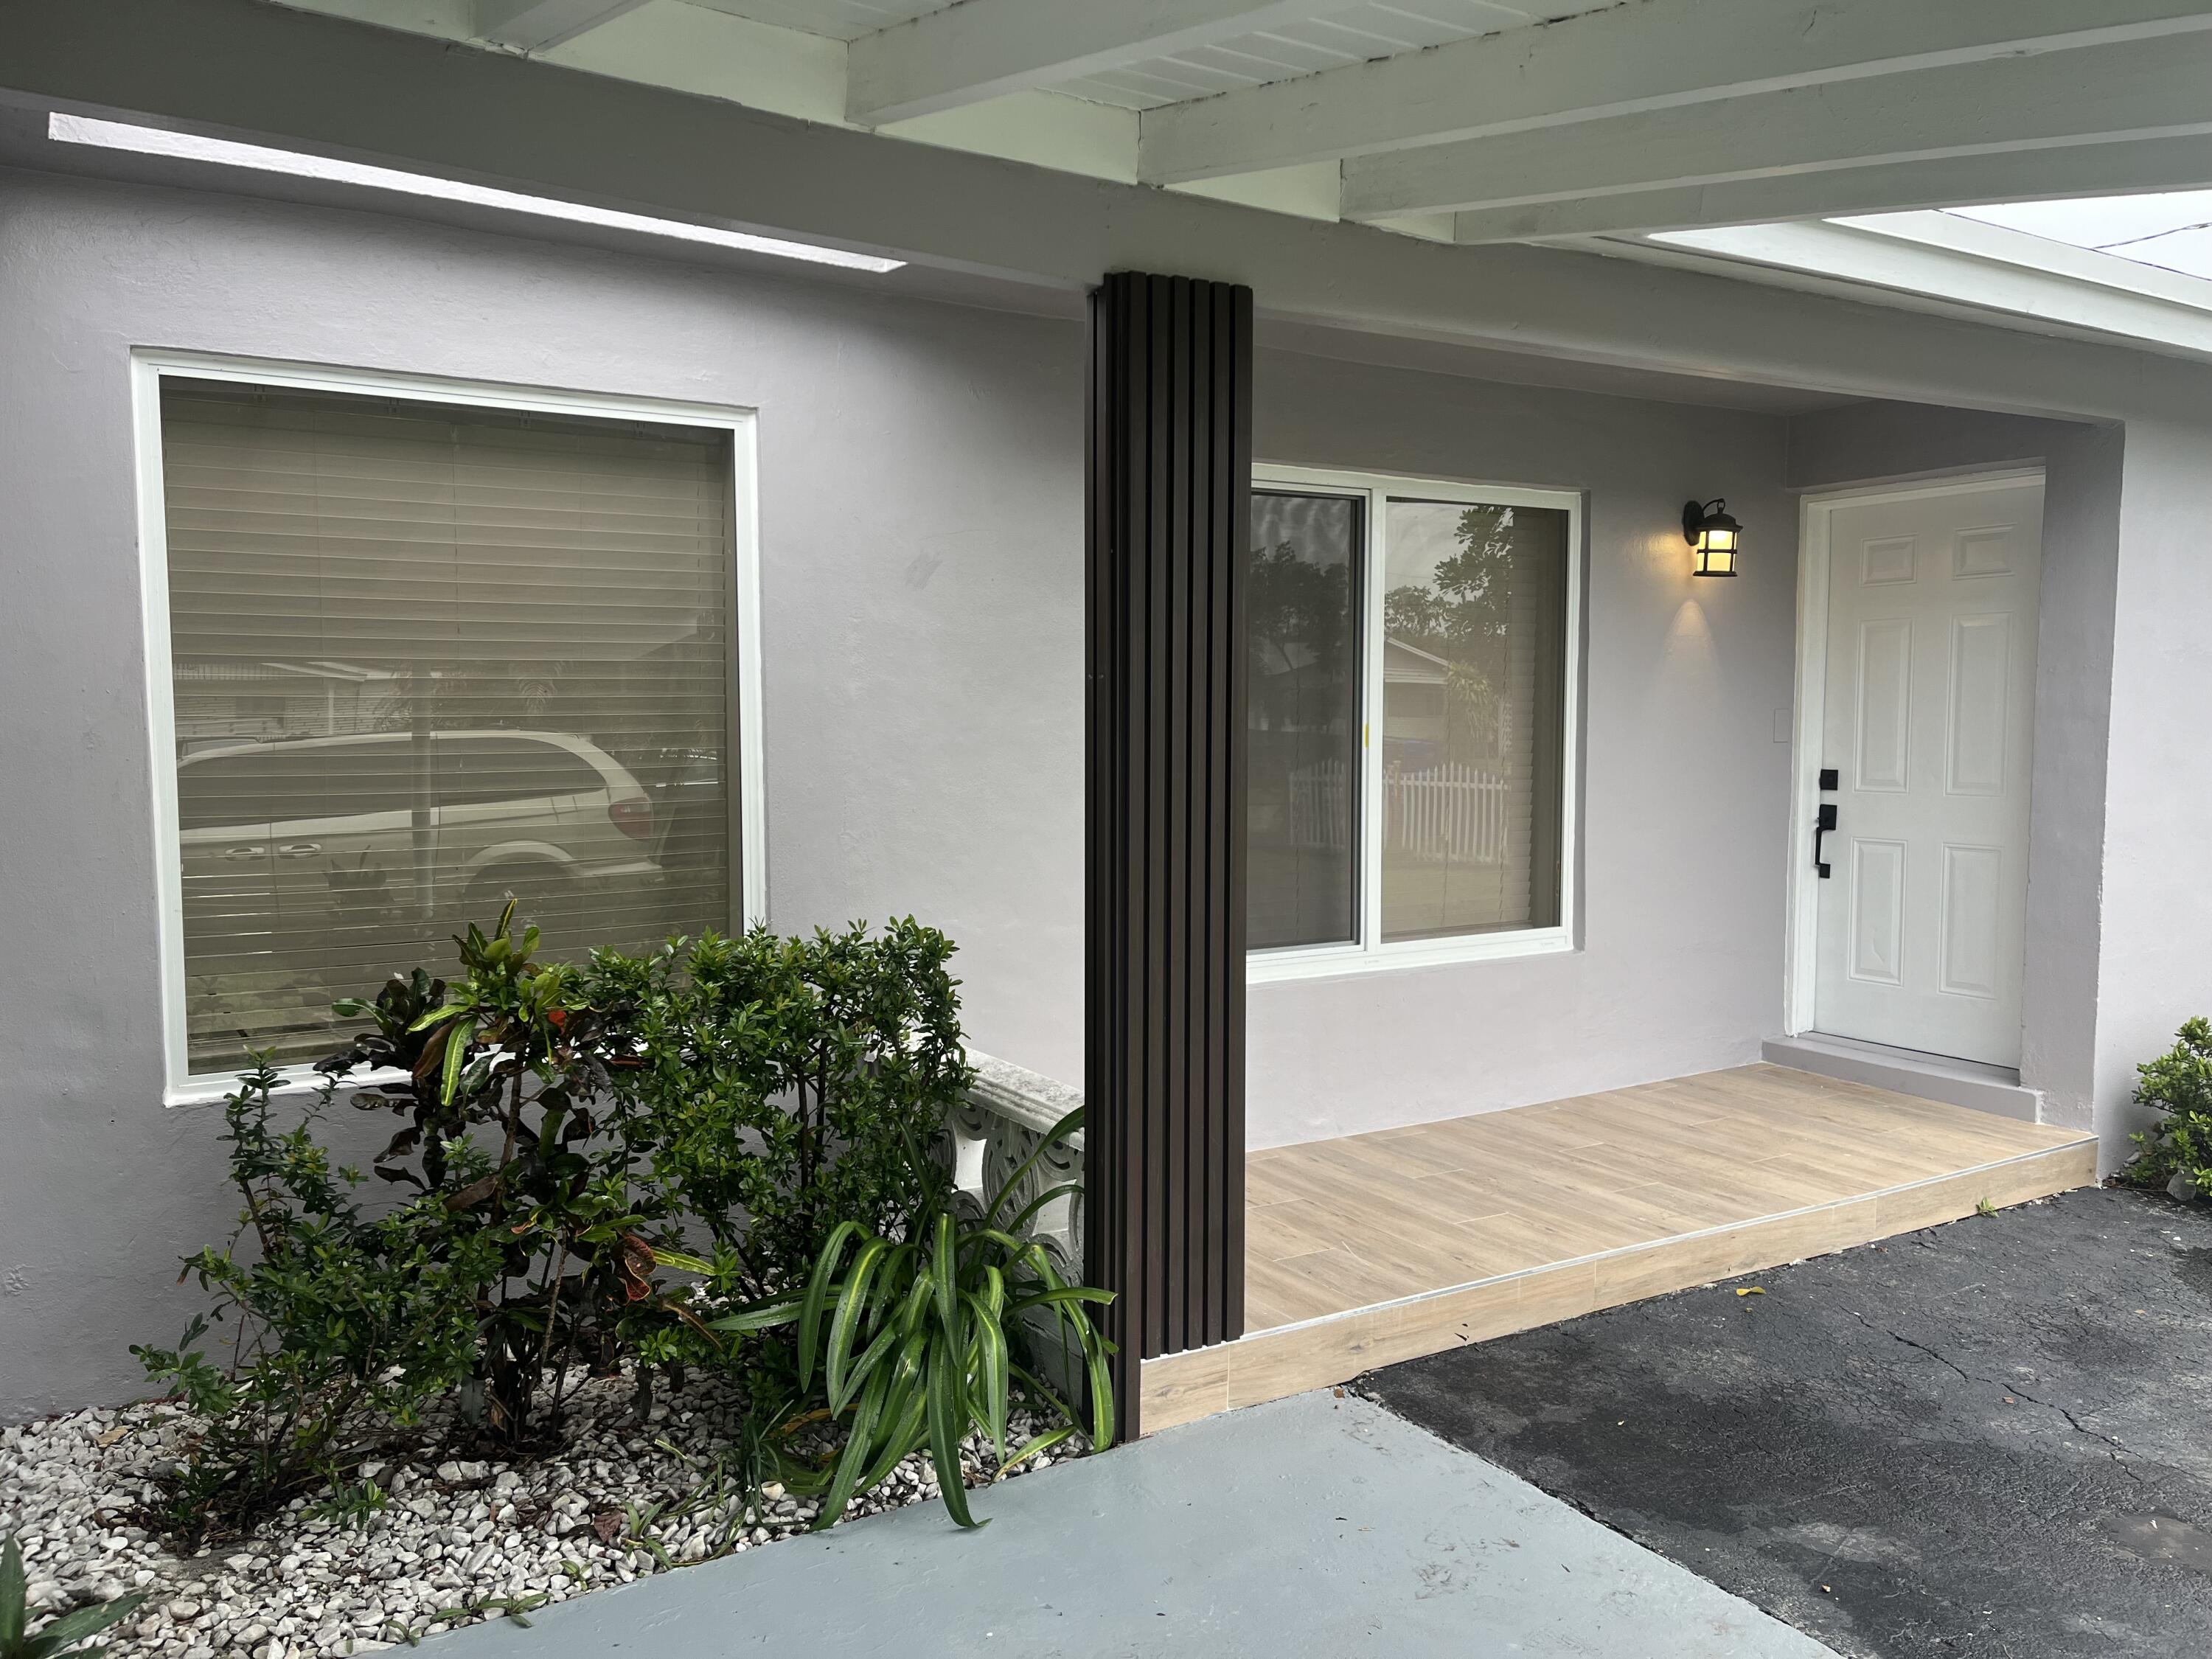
[1333,37]
[1591,122]
[839,19]
[1463,120]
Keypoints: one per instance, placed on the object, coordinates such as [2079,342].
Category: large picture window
[421,655]
[1411,703]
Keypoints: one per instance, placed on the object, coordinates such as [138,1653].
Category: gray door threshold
[1932,1077]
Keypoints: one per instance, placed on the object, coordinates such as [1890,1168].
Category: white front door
[1927,717]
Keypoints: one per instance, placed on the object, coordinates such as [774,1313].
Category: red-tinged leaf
[633,1265]
[433,1055]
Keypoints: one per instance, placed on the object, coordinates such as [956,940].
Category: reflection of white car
[308,834]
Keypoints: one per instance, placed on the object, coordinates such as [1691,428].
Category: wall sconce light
[1707,526]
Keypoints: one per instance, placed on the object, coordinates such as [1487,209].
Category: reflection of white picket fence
[1320,805]
[1450,812]
[1453,812]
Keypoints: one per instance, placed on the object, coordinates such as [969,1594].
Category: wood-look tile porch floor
[1382,1247]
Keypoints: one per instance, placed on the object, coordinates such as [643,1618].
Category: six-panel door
[1930,695]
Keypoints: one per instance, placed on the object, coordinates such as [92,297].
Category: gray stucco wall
[1684,790]
[2061,1050]
[2156,956]
[923,647]
[922,620]
[923,624]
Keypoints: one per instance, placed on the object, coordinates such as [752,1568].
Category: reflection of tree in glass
[1290,599]
[1460,616]
[1297,612]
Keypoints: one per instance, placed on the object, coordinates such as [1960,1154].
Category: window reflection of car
[365,831]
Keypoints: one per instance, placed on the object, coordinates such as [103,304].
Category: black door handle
[1821,825]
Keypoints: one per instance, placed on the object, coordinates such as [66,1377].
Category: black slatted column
[1168,500]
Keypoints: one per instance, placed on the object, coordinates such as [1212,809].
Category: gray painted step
[1311,1529]
[1931,1077]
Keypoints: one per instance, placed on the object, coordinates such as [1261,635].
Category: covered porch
[1376,1248]
[990,641]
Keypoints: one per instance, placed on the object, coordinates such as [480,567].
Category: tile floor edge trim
[1671,1239]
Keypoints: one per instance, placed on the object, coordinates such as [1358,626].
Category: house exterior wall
[922,622]
[922,561]
[1684,787]
[2154,967]
[922,597]
[2063,1053]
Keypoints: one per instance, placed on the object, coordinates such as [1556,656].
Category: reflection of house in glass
[220,698]
[1416,688]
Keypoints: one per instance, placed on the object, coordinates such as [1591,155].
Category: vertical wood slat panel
[1167,506]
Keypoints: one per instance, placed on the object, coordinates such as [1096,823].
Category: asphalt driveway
[1991,1438]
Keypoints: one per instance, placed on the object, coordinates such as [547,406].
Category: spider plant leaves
[66,1632]
[911,1343]
[1060,1296]
[941,1269]
[758,1317]
[1028,1212]
[991,1368]
[70,1629]
[817,1292]
[852,1462]
[1051,1137]
[948,1415]
[852,1301]
[1036,1445]
[14,1586]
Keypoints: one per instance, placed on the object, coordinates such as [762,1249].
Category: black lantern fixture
[1707,527]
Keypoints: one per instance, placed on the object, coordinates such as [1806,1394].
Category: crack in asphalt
[2116,1449]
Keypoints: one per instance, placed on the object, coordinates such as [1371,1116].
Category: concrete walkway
[1313,1526]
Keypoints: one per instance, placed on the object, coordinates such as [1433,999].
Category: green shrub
[781,1079]
[512,1131]
[343,1322]
[567,1135]
[2178,1085]
[926,1335]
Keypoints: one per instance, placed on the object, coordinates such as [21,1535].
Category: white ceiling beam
[1650,55]
[2055,292]
[534,25]
[2122,168]
[296,79]
[2141,89]
[982,49]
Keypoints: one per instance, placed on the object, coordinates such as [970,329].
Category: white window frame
[150,368]
[1368,952]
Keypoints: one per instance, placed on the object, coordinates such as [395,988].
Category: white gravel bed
[457,1542]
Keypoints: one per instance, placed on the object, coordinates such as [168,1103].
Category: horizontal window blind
[424,656]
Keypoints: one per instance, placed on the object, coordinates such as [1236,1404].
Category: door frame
[1816,516]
